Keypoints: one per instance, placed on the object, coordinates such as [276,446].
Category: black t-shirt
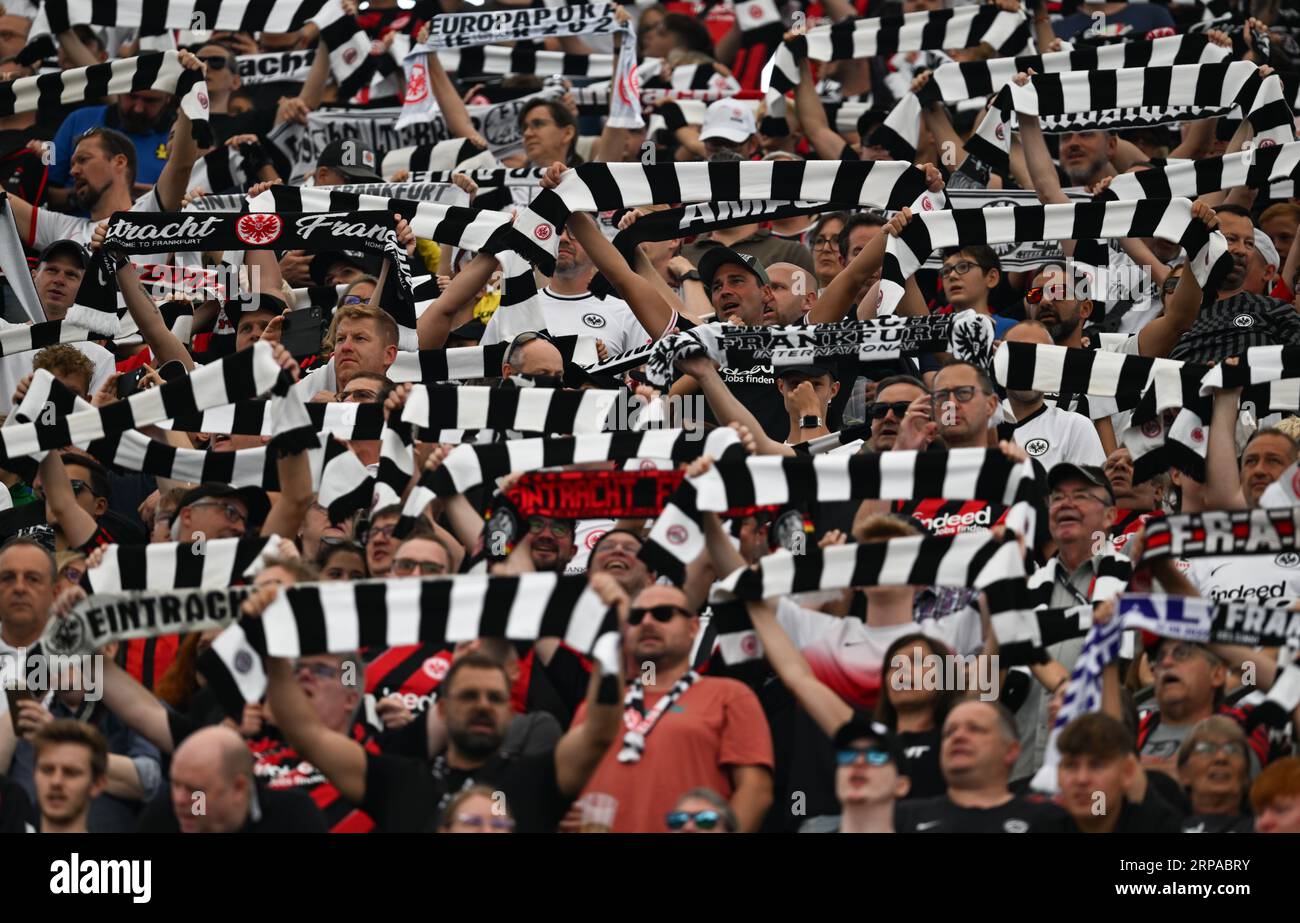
[1152,815]
[1217,823]
[921,763]
[16,810]
[1022,814]
[407,795]
[287,811]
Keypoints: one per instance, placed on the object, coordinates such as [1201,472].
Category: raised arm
[1158,337]
[342,759]
[727,407]
[583,746]
[652,310]
[450,104]
[826,708]
[435,324]
[1222,478]
[61,505]
[294,472]
[812,116]
[835,303]
[164,344]
[183,152]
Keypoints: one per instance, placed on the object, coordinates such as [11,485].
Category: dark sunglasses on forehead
[662,613]
[878,411]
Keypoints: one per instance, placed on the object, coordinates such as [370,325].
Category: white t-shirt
[15,368]
[52,225]
[1053,435]
[848,655]
[1246,578]
[608,319]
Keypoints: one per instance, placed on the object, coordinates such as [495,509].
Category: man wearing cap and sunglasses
[868,782]
[682,730]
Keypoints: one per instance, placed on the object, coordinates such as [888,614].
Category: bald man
[711,734]
[533,355]
[213,791]
[795,289]
[1047,433]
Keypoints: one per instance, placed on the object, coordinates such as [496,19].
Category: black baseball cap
[68,248]
[321,263]
[254,499]
[353,159]
[720,256]
[236,308]
[860,726]
[1089,473]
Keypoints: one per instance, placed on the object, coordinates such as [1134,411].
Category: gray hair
[721,804]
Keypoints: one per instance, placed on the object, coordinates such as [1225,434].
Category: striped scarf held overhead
[1223,85]
[1168,219]
[1268,166]
[967,27]
[967,80]
[677,538]
[596,187]
[159,71]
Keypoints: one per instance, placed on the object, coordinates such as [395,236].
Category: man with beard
[144,117]
[71,772]
[1237,319]
[1046,432]
[794,291]
[690,731]
[106,173]
[406,795]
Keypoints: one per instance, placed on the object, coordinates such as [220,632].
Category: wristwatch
[810,421]
[692,276]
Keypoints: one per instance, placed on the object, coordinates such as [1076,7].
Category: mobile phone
[170,371]
[129,382]
[16,695]
[302,331]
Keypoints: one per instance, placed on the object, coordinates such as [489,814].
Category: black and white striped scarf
[595,187]
[966,335]
[344,421]
[467,363]
[677,538]
[503,60]
[21,338]
[854,39]
[1053,369]
[1224,84]
[208,564]
[1222,532]
[1168,219]
[1113,570]
[637,723]
[159,71]
[1268,166]
[507,407]
[960,81]
[243,375]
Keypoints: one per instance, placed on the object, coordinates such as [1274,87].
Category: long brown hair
[180,681]
[943,702]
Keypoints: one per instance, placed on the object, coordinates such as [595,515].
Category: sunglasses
[873,755]
[879,411]
[492,823]
[663,613]
[78,486]
[704,820]
[215,62]
[352,299]
[425,568]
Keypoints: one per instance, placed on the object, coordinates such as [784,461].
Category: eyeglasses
[663,613]
[233,513]
[704,820]
[1210,748]
[352,299]
[426,568]
[381,532]
[556,527]
[826,243]
[478,822]
[1181,652]
[71,574]
[873,755]
[961,267]
[964,394]
[358,396]
[878,411]
[1055,499]
[215,62]
[79,485]
[318,670]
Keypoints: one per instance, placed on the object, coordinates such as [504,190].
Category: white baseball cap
[728,120]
